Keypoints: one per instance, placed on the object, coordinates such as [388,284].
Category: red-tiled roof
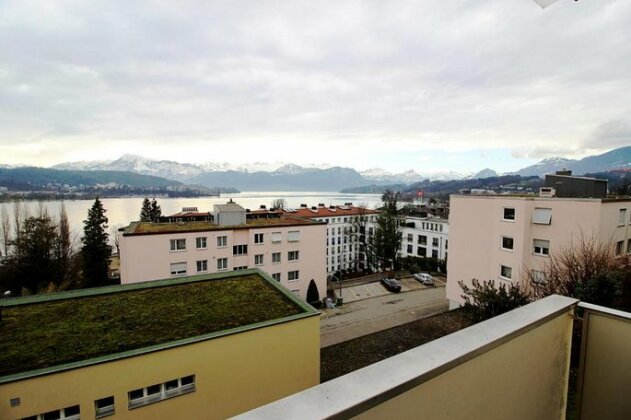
[328,212]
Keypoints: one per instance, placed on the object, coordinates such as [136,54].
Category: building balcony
[514,366]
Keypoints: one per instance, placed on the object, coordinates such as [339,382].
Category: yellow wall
[525,378]
[232,374]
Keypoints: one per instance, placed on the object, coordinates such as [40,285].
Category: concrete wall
[233,374]
[148,257]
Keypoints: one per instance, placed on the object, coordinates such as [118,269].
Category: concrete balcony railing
[514,366]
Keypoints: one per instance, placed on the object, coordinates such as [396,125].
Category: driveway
[375,289]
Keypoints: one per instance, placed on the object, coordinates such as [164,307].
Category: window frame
[178,273]
[204,264]
[259,259]
[509,219]
[502,272]
[177,245]
[512,243]
[295,273]
[293,255]
[542,246]
[222,264]
[222,241]
[203,239]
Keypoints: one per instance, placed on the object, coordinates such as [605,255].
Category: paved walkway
[379,313]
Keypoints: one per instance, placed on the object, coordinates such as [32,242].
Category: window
[538,276]
[507,243]
[294,235]
[178,269]
[200,243]
[258,259]
[159,392]
[178,244]
[629,246]
[410,249]
[222,241]
[421,251]
[506,272]
[68,413]
[241,267]
[434,241]
[222,263]
[292,255]
[277,237]
[434,253]
[104,407]
[619,247]
[275,257]
[422,240]
[258,238]
[622,217]
[239,250]
[509,213]
[370,230]
[446,243]
[202,266]
[293,275]
[276,276]
[541,247]
[542,216]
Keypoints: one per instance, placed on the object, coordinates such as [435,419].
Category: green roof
[46,333]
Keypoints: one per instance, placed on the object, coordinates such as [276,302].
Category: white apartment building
[289,248]
[500,237]
[343,238]
[425,237]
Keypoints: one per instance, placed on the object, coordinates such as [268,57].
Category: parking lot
[376,289]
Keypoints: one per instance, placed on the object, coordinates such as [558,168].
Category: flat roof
[43,334]
[538,198]
[150,228]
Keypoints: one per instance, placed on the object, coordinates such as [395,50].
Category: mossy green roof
[45,331]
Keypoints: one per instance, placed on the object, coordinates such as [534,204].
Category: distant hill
[615,159]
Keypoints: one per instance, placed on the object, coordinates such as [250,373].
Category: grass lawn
[40,335]
[343,358]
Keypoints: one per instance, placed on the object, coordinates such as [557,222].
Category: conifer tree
[313,295]
[155,211]
[96,251]
[145,211]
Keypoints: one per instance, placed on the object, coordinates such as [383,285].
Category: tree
[96,251]
[279,203]
[360,238]
[387,238]
[313,295]
[486,300]
[145,211]
[155,211]
[116,234]
[63,247]
[5,230]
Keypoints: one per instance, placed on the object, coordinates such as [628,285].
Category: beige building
[202,347]
[290,249]
[498,237]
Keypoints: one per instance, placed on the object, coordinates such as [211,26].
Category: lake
[121,211]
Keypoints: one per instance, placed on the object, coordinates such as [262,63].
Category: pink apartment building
[498,237]
[290,249]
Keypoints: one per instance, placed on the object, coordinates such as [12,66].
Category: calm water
[121,211]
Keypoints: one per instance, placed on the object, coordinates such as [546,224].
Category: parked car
[425,279]
[391,284]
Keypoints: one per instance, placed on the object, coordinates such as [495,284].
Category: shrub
[485,300]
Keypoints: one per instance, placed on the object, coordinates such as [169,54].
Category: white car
[424,278]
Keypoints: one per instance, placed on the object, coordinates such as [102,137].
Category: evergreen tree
[145,211]
[155,211]
[96,251]
[313,295]
[387,238]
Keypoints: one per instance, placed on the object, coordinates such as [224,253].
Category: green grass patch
[51,333]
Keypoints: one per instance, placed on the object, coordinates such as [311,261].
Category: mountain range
[262,176]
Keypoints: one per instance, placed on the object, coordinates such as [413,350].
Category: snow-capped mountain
[547,166]
[381,176]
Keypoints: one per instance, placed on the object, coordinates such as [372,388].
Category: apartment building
[348,228]
[501,238]
[201,347]
[289,248]
[425,237]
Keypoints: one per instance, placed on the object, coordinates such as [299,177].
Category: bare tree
[279,203]
[5,230]
[116,235]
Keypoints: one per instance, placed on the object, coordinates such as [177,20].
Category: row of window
[506,273]
[541,216]
[340,249]
[180,268]
[435,227]
[68,413]
[293,275]
[422,251]
[422,240]
[539,246]
[350,219]
[201,242]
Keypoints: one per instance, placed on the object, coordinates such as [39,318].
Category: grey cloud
[609,135]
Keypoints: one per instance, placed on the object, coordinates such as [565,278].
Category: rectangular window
[619,247]
[507,243]
[276,276]
[222,263]
[104,407]
[258,259]
[178,244]
[202,266]
[509,213]
[68,413]
[258,238]
[538,276]
[293,275]
[275,257]
[178,269]
[159,392]
[222,241]
[200,243]
[239,250]
[421,251]
[277,237]
[293,236]
[542,216]
[241,267]
[434,241]
[506,272]
[622,217]
[410,249]
[410,237]
[292,255]
[371,230]
[434,253]
[422,240]
[541,247]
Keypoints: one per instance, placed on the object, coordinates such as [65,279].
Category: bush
[485,300]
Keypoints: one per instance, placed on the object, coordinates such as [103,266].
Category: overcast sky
[426,85]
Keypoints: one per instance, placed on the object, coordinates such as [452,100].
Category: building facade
[502,238]
[289,248]
[425,237]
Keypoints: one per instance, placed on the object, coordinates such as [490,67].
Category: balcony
[514,366]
